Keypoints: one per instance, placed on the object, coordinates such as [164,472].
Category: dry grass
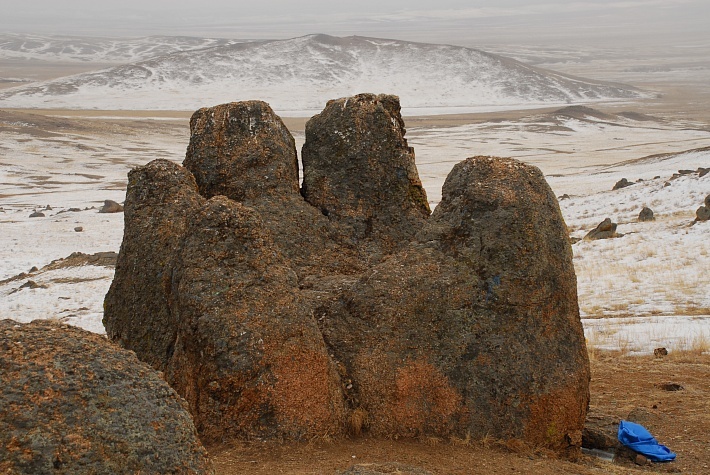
[359,420]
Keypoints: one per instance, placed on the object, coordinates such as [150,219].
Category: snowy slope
[298,76]
[99,50]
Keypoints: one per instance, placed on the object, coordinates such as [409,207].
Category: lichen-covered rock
[248,357]
[347,307]
[73,403]
[474,327]
[242,150]
[160,199]
[359,170]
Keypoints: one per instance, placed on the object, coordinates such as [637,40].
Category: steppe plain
[648,289]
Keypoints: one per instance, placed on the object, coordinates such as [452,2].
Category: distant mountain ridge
[302,74]
[102,50]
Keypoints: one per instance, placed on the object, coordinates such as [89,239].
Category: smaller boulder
[604,230]
[707,201]
[111,206]
[703,171]
[37,214]
[78,229]
[660,352]
[74,403]
[646,214]
[623,183]
[703,213]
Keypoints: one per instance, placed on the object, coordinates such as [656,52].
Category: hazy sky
[453,21]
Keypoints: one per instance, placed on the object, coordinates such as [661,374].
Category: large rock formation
[73,403]
[346,307]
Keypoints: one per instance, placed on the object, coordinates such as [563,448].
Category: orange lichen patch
[424,402]
[557,418]
[305,394]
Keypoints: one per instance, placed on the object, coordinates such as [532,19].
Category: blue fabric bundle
[638,439]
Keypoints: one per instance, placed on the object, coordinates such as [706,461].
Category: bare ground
[620,385]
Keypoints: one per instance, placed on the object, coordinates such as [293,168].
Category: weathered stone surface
[73,403]
[359,170]
[646,214]
[707,201]
[242,150]
[702,213]
[248,356]
[160,199]
[280,317]
[604,230]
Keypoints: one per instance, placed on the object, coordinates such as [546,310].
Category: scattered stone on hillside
[686,172]
[33,269]
[75,403]
[111,206]
[78,229]
[707,201]
[347,308]
[703,171]
[564,197]
[646,214]
[74,210]
[660,352]
[604,230]
[702,213]
[37,214]
[623,183]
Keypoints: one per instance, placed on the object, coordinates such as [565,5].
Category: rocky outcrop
[646,214]
[604,230]
[345,307]
[72,403]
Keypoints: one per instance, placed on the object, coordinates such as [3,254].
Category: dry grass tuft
[359,421]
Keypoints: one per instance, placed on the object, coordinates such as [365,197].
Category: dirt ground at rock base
[620,385]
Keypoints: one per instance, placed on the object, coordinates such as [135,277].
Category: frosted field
[646,289]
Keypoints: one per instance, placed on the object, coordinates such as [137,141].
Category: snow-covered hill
[298,76]
[99,50]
